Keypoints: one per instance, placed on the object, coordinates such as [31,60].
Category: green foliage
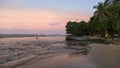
[76,28]
[105,18]
[69,27]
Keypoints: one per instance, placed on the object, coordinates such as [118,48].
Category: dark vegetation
[106,19]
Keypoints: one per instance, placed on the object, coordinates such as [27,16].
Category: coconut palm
[101,15]
[101,11]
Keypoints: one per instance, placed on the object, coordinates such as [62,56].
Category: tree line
[106,19]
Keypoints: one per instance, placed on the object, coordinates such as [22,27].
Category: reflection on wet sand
[82,48]
[80,53]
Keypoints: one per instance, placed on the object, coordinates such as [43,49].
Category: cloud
[55,23]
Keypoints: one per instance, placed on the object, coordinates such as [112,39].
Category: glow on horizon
[38,20]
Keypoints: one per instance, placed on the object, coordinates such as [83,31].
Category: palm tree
[101,14]
[101,11]
[106,18]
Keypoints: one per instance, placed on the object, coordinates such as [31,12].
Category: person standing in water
[106,35]
[36,37]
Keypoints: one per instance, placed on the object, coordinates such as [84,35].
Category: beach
[56,52]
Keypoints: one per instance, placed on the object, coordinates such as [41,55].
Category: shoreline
[84,38]
[27,35]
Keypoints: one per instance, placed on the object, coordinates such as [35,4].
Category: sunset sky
[42,16]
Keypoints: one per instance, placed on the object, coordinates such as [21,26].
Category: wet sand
[107,57]
[55,52]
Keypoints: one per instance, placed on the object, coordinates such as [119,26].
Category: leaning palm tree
[101,10]
[101,14]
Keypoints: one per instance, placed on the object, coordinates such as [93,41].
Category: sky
[42,16]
